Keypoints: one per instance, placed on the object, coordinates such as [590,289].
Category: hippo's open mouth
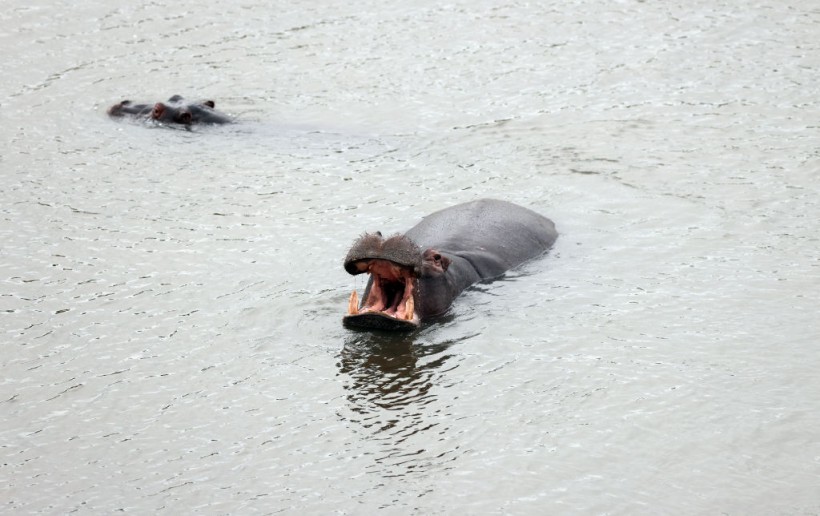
[389,303]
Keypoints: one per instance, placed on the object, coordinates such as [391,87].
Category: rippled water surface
[171,301]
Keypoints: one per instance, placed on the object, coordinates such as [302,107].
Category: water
[171,301]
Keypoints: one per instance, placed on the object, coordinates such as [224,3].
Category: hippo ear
[433,258]
[210,104]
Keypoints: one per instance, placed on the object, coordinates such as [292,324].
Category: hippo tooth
[353,303]
[409,308]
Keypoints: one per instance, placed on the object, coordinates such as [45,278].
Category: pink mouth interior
[391,289]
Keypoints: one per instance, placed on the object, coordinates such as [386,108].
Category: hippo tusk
[409,309]
[353,304]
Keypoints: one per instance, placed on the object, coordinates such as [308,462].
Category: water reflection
[392,393]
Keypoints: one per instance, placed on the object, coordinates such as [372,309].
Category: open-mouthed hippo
[415,277]
[176,110]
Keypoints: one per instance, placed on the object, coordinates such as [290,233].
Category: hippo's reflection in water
[392,395]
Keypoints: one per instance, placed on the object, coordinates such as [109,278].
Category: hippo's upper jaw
[389,300]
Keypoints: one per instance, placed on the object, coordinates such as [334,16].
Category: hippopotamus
[414,277]
[176,110]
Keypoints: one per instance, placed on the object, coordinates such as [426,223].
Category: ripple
[392,389]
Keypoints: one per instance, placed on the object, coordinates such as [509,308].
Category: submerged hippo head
[176,110]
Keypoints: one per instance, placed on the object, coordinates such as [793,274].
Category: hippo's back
[487,229]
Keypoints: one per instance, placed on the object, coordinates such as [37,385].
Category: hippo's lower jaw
[389,302]
[378,321]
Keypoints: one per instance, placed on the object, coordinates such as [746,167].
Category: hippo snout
[372,246]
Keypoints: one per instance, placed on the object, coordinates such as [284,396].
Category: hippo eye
[185,117]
